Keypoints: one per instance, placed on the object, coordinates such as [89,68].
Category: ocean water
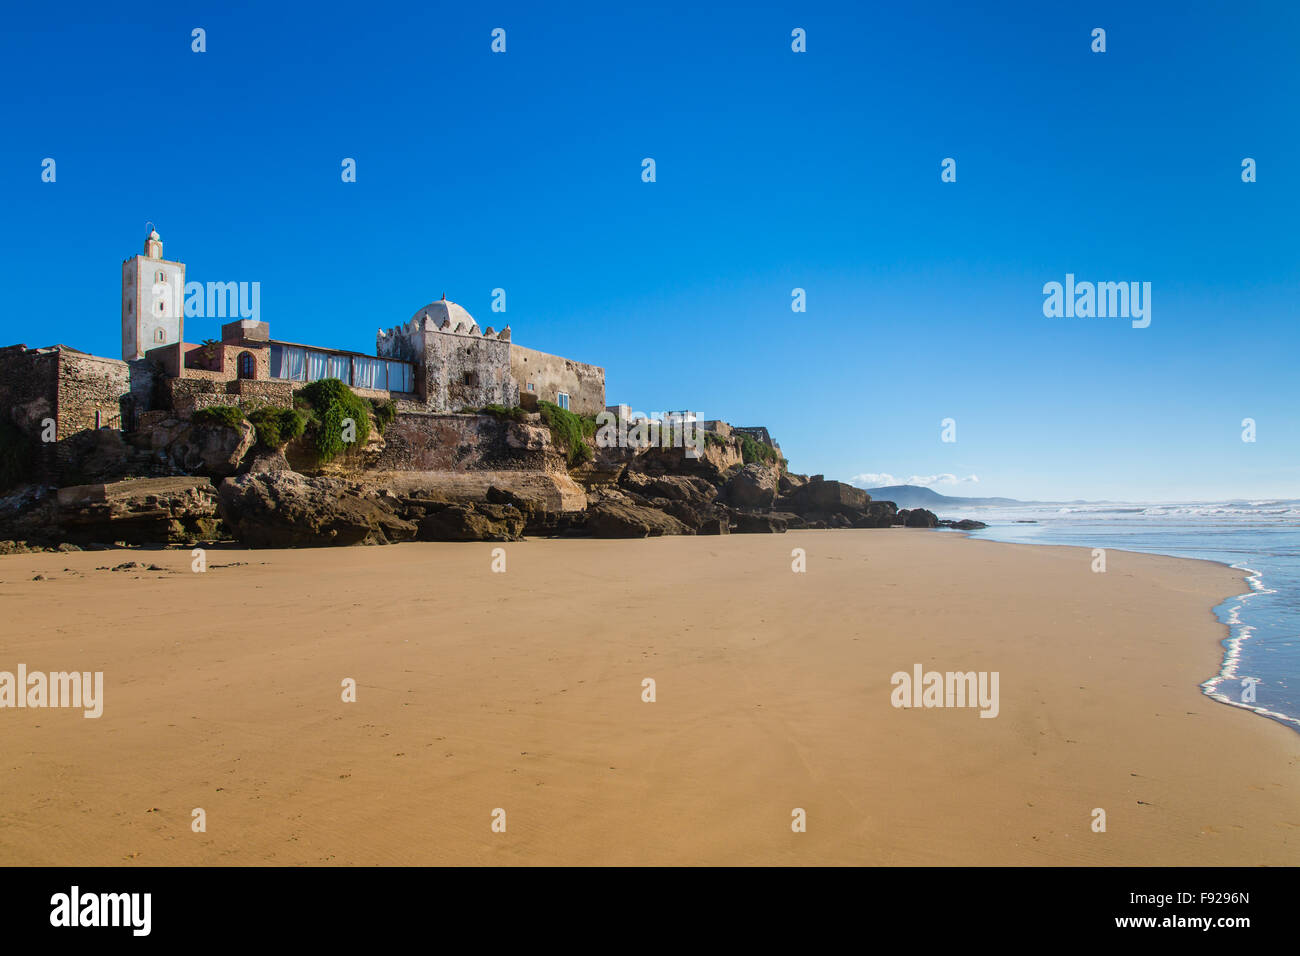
[1261,538]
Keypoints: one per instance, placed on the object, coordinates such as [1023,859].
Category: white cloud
[873,479]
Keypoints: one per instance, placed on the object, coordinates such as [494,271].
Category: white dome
[443,310]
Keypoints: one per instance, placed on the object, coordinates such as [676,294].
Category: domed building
[460,365]
[441,360]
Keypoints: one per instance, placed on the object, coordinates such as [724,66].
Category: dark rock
[746,523]
[789,483]
[141,511]
[288,510]
[753,487]
[919,518]
[965,524]
[618,519]
[878,514]
[688,488]
[825,498]
[476,522]
[793,522]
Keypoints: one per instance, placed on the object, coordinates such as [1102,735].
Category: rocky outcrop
[622,519]
[918,518]
[965,524]
[288,510]
[747,523]
[753,487]
[422,442]
[789,483]
[478,522]
[821,497]
[212,450]
[877,514]
[138,511]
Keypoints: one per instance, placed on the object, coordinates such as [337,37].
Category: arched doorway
[246,365]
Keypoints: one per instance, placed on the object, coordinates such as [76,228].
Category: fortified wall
[457,365]
[560,381]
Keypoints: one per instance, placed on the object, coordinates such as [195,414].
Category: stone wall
[551,374]
[189,394]
[438,442]
[29,383]
[93,392]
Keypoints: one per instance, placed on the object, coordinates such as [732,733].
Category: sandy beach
[523,691]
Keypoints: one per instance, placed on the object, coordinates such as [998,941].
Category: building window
[532,387]
[247,365]
[162,306]
[160,335]
[562,399]
[162,277]
[470,379]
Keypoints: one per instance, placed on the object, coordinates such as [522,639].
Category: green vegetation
[714,440]
[515,414]
[328,403]
[217,416]
[276,426]
[385,412]
[569,432]
[17,451]
[752,451]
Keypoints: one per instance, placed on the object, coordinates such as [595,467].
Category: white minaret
[153,300]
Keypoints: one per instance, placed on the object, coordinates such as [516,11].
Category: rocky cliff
[470,477]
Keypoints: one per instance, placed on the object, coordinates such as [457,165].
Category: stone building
[439,361]
[560,381]
[457,364]
[153,291]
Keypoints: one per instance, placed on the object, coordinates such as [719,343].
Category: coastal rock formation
[877,514]
[212,450]
[818,496]
[621,519]
[747,523]
[477,522]
[917,518]
[753,487]
[288,510]
[139,511]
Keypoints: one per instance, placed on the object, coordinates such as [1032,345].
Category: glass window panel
[295,361]
[340,367]
[399,377]
[315,366]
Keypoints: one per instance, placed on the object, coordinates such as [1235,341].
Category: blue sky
[775,170]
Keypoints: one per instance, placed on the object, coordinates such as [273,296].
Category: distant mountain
[916,496]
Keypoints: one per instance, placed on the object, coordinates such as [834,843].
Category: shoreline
[1230,646]
[523,690]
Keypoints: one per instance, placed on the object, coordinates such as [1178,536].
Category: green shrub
[385,412]
[752,451]
[276,426]
[713,439]
[330,403]
[514,414]
[568,431]
[214,416]
[17,452]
